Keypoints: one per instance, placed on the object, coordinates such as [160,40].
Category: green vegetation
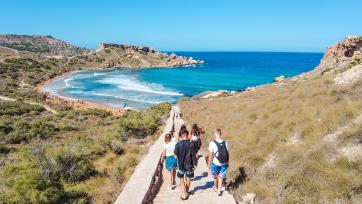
[184,99]
[63,158]
[140,124]
[277,141]
[18,108]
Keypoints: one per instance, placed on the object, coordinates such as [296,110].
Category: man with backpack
[218,160]
[185,163]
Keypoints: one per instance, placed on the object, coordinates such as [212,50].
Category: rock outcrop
[341,54]
[116,55]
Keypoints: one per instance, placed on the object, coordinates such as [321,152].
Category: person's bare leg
[219,182]
[174,177]
[169,175]
[215,183]
[183,188]
[188,184]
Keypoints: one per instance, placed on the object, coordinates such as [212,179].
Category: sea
[146,87]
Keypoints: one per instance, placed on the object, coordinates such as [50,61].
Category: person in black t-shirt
[185,166]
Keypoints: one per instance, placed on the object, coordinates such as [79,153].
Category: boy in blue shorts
[218,160]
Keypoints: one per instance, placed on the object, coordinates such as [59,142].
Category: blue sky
[189,25]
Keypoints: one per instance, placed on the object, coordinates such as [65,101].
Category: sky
[188,25]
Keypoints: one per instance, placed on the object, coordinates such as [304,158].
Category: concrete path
[201,185]
[140,181]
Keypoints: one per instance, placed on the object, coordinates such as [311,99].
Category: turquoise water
[142,88]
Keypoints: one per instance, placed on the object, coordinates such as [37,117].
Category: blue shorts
[171,163]
[219,171]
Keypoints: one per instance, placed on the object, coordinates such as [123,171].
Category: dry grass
[261,123]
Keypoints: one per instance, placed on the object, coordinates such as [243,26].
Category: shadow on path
[207,185]
[197,178]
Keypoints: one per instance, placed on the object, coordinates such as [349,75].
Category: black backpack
[223,156]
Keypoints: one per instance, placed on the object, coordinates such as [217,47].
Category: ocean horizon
[144,87]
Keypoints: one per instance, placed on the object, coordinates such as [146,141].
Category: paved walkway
[140,181]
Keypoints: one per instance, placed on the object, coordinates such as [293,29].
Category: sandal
[182,198]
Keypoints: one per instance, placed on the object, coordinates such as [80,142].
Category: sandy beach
[75,103]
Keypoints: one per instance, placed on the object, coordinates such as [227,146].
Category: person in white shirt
[218,160]
[169,157]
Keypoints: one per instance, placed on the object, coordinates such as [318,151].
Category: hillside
[44,45]
[297,140]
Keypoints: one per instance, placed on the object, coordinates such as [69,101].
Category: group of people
[180,156]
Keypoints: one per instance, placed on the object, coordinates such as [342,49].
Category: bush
[5,149]
[24,181]
[140,124]
[18,108]
[16,130]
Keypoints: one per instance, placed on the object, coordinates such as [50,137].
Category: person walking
[218,160]
[195,139]
[185,166]
[169,159]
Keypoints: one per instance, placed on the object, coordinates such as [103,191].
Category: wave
[128,99]
[131,84]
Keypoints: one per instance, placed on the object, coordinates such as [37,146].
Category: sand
[75,103]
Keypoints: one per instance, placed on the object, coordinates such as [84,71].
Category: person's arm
[163,155]
[211,156]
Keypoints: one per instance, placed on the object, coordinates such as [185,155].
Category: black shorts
[185,174]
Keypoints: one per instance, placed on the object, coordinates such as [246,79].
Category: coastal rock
[250,88]
[279,79]
[249,198]
[341,54]
[349,76]
[140,56]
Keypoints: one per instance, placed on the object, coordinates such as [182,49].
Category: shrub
[16,130]
[4,149]
[24,181]
[140,124]
[18,108]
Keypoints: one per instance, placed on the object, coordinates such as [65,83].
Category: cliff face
[342,53]
[115,55]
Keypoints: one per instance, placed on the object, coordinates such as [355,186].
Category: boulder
[249,198]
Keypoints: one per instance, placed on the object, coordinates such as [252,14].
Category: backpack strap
[217,146]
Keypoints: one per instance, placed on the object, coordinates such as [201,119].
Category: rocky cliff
[342,54]
[115,55]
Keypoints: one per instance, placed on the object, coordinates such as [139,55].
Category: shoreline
[83,104]
[73,102]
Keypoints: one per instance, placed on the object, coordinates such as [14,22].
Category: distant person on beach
[218,160]
[185,167]
[195,139]
[170,159]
